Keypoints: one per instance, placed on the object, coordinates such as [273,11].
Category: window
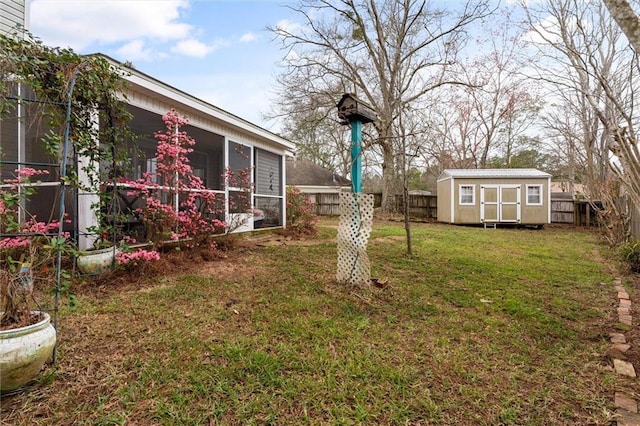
[268,200]
[239,175]
[268,173]
[534,195]
[198,161]
[467,195]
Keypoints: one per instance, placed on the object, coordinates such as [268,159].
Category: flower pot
[23,352]
[94,262]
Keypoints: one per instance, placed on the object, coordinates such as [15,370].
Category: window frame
[540,194]
[473,195]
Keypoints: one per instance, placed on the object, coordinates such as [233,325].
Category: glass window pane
[239,166]
[466,194]
[271,211]
[534,194]
[239,201]
[268,173]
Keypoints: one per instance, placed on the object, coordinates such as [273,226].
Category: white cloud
[192,47]
[135,50]
[291,57]
[545,31]
[78,24]
[287,26]
[248,37]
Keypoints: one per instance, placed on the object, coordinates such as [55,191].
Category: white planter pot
[94,262]
[23,352]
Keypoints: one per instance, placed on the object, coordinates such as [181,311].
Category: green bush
[631,253]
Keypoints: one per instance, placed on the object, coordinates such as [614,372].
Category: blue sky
[216,50]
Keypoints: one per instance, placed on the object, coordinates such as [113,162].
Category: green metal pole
[356,156]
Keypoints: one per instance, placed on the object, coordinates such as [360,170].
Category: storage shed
[492,196]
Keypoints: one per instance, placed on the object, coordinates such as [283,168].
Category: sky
[216,50]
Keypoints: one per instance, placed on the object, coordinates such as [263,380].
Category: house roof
[492,173]
[306,173]
[155,88]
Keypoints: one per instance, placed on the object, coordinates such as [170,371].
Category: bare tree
[595,76]
[391,53]
[488,116]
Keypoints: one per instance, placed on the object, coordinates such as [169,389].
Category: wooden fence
[420,206]
[563,210]
[577,212]
[325,204]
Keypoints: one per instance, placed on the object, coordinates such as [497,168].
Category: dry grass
[480,327]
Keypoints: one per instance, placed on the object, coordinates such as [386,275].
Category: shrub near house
[174,184]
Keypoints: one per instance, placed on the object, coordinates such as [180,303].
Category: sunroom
[225,145]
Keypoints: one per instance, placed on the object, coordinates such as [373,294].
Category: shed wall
[470,214]
[444,200]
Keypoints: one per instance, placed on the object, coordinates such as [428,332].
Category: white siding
[12,12]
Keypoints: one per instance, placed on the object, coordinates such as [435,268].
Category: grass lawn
[480,327]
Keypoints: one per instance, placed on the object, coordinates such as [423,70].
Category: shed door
[489,204]
[510,203]
[500,203]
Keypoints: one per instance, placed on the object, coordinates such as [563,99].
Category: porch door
[500,203]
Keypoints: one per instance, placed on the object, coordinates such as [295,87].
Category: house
[311,178]
[564,189]
[320,185]
[494,196]
[12,12]
[223,142]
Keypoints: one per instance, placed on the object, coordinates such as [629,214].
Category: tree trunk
[388,179]
[627,19]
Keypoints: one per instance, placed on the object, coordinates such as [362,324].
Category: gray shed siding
[12,12]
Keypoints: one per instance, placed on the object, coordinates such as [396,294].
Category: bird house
[351,108]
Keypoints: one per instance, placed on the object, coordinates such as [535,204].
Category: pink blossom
[137,257]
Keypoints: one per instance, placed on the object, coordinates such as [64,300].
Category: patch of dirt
[226,261]
[231,260]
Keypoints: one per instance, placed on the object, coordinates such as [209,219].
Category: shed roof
[306,173]
[493,173]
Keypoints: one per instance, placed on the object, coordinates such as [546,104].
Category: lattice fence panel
[354,229]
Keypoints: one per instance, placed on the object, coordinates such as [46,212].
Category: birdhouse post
[354,112]
[356,209]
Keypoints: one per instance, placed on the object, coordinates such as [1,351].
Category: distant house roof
[419,192]
[563,186]
[307,173]
[493,173]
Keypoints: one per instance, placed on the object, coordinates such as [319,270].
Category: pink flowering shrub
[13,196]
[136,258]
[301,221]
[198,209]
[28,248]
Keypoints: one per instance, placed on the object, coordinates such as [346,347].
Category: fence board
[634,214]
[562,211]
[426,207]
